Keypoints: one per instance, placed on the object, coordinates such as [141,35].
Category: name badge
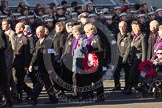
[51,51]
[122,44]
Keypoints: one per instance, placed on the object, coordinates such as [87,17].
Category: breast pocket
[94,45]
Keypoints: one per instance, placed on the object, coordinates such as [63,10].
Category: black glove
[84,50]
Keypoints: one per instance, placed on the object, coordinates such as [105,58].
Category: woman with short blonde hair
[91,28]
[154,26]
[94,45]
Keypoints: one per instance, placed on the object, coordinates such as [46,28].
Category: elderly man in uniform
[21,60]
[43,49]
[123,41]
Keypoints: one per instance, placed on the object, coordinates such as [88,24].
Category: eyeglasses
[159,53]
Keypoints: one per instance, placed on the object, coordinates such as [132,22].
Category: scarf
[136,36]
[75,44]
[154,35]
[88,41]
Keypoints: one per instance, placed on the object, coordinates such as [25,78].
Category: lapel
[56,35]
[9,32]
[20,40]
[9,35]
[93,40]
[136,41]
[121,37]
[42,43]
[152,39]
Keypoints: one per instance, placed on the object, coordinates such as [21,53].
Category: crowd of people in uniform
[51,42]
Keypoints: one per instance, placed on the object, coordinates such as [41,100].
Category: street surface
[114,99]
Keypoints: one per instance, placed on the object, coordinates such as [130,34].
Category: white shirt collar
[41,40]
[19,35]
[7,32]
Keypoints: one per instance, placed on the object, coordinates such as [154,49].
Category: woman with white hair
[93,45]
[29,35]
[152,38]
